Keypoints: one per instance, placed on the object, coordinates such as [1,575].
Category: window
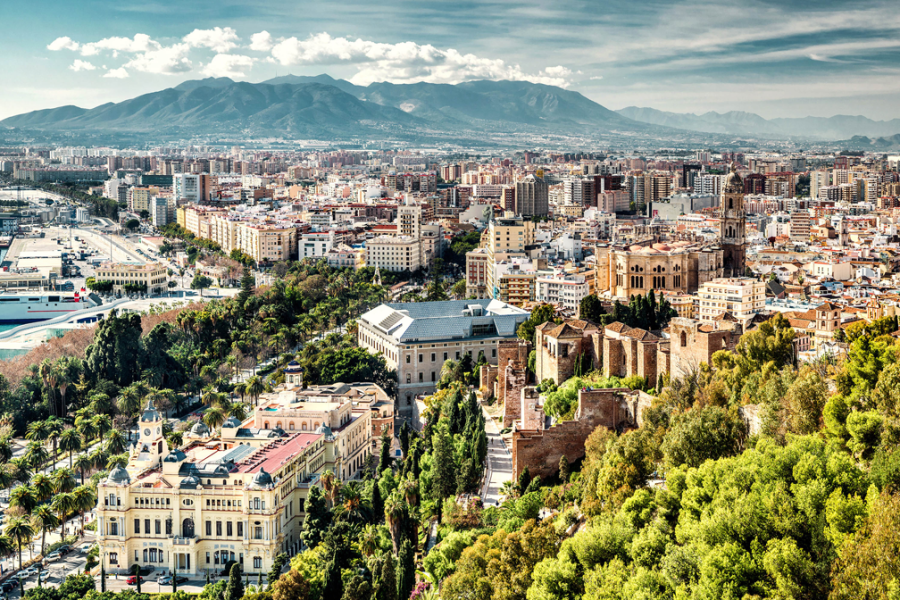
[257,562]
[228,529]
[240,529]
[158,525]
[493,353]
[209,528]
[420,358]
[207,558]
[114,528]
[137,526]
[257,533]
[433,357]
[683,339]
[113,558]
[218,528]
[168,526]
[445,356]
[421,377]
[407,358]
[433,377]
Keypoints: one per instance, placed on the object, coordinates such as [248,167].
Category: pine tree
[406,570]
[247,283]
[318,517]
[235,588]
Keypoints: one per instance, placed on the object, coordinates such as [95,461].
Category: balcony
[183,541]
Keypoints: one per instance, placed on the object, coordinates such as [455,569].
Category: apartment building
[417,338]
[477,265]
[139,198]
[265,242]
[532,197]
[394,253]
[315,245]
[563,290]
[514,281]
[151,275]
[742,297]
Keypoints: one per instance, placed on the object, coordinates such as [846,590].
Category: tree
[700,434]
[386,583]
[384,461]
[116,352]
[443,482]
[591,309]
[318,518]
[406,570]
[247,286]
[70,441]
[20,530]
[291,586]
[281,559]
[132,225]
[44,520]
[201,282]
[235,588]
[563,468]
[540,315]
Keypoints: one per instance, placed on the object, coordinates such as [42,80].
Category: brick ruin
[559,347]
[540,447]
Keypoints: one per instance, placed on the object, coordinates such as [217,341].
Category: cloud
[596,77]
[141,42]
[82,65]
[166,60]
[262,41]
[218,39]
[228,65]
[406,62]
[119,73]
[63,43]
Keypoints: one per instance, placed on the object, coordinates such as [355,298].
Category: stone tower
[733,222]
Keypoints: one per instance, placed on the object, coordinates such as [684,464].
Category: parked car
[8,586]
[180,579]
[55,555]
[164,580]
[64,549]
[133,580]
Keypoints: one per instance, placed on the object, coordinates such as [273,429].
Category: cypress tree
[387,588]
[377,503]
[404,439]
[235,588]
[175,579]
[247,283]
[406,570]
[385,460]
[444,470]
[524,480]
[563,468]
[333,586]
[102,580]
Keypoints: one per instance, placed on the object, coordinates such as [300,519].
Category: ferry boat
[33,306]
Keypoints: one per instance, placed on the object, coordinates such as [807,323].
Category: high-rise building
[532,196]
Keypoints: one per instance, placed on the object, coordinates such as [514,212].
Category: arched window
[303,427]
[291,426]
[187,528]
[683,340]
[266,425]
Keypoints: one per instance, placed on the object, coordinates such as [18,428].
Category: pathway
[499,464]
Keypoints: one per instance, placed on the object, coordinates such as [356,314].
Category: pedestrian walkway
[499,464]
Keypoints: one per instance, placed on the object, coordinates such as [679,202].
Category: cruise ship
[33,306]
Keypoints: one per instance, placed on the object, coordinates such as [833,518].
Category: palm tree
[22,469]
[23,497]
[214,417]
[254,388]
[98,458]
[20,530]
[7,546]
[103,424]
[117,460]
[38,431]
[115,442]
[85,500]
[68,370]
[55,429]
[83,463]
[394,514]
[70,441]
[209,396]
[36,455]
[44,520]
[6,452]
[64,481]
[175,439]
[409,488]
[86,427]
[42,487]
[368,540]
[331,485]
[129,401]
[237,410]
[64,504]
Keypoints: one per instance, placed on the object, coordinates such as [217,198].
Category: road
[499,467]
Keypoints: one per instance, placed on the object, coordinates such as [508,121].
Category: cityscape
[387,306]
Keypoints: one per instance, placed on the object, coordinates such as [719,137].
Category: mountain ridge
[837,127]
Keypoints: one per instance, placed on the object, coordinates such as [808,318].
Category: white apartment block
[741,297]
[394,253]
[565,291]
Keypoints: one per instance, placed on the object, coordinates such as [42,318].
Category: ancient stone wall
[540,449]
[488,381]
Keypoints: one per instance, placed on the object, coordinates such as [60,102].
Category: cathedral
[677,266]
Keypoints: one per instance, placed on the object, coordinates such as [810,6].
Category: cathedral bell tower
[732,224]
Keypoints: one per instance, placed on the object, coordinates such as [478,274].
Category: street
[499,463]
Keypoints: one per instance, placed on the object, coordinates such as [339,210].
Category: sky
[777,58]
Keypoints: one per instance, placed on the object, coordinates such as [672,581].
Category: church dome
[200,429]
[118,476]
[262,479]
[191,481]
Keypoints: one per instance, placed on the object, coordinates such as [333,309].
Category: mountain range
[323,107]
[838,127]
